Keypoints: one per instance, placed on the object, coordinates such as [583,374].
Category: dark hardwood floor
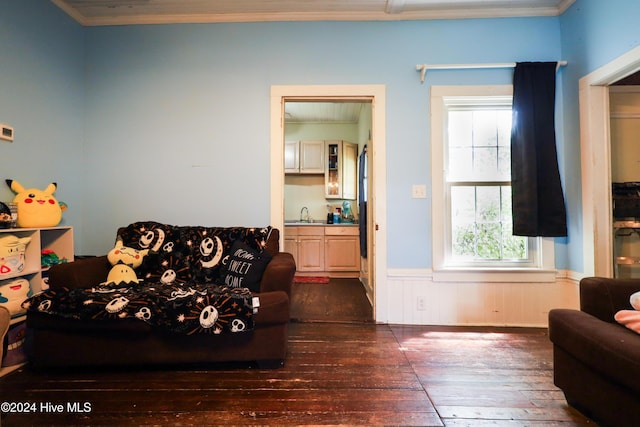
[340,300]
[351,373]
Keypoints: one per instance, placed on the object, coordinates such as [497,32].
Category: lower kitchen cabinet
[306,244]
[342,249]
[333,250]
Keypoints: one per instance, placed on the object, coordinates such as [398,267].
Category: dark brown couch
[597,360]
[54,341]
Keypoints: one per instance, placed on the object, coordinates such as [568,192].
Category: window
[471,164]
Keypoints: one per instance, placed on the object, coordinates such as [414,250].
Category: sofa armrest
[278,276]
[611,350]
[604,297]
[82,273]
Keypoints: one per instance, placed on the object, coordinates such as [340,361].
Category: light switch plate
[6,132]
[419,191]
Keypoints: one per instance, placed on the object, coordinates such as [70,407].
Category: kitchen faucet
[304,218]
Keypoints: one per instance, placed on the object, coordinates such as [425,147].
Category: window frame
[541,264]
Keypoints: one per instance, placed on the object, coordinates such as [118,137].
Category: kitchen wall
[624,104]
[309,190]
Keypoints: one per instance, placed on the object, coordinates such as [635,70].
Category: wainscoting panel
[416,299]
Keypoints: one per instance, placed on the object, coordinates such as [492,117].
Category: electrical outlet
[422,304]
[419,191]
[6,132]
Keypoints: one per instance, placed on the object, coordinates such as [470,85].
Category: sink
[298,222]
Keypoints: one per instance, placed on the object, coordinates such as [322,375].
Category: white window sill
[520,275]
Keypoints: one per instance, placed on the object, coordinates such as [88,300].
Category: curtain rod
[424,67]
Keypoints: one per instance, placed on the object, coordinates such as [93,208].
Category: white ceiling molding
[134,12]
[394,6]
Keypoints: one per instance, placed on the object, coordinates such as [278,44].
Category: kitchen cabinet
[341,170]
[304,157]
[342,249]
[306,244]
[333,249]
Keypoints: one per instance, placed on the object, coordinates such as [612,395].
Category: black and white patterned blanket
[184,309]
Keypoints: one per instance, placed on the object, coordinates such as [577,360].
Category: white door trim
[595,144]
[378,200]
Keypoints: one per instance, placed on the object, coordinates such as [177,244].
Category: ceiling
[130,12]
[323,112]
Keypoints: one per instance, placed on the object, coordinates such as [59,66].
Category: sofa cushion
[209,245]
[244,266]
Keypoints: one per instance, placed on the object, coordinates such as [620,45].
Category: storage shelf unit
[624,230]
[57,239]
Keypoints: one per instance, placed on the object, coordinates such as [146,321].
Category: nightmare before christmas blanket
[188,309]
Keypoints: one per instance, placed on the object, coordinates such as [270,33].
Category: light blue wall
[42,97]
[593,33]
[171,122]
[177,122]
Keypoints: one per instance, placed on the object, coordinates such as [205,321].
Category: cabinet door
[291,157]
[342,253]
[290,243]
[310,253]
[312,157]
[333,174]
[349,170]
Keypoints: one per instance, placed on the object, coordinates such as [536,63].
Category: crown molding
[394,14]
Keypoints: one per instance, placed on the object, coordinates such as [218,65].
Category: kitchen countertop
[295,223]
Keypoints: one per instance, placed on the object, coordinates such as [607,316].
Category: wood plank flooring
[340,300]
[335,374]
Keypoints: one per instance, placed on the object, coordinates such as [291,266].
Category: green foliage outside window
[479,172]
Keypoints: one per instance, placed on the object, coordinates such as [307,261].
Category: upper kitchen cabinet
[341,172]
[304,157]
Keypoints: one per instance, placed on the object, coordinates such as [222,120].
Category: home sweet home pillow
[244,266]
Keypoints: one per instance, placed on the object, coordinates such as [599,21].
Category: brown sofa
[596,360]
[54,341]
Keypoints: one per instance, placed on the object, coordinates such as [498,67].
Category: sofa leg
[270,364]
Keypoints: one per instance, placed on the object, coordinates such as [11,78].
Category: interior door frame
[377,158]
[595,144]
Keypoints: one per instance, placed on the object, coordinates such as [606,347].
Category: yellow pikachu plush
[36,208]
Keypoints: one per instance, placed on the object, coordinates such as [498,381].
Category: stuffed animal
[13,293]
[15,345]
[124,260]
[36,208]
[630,318]
[12,258]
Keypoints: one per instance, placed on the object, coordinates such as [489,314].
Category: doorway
[376,215]
[595,145]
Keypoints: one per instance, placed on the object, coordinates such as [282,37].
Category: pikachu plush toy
[36,208]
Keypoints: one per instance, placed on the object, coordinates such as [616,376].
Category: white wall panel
[476,304]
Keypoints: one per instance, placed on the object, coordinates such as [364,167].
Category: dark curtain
[537,199]
[362,203]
